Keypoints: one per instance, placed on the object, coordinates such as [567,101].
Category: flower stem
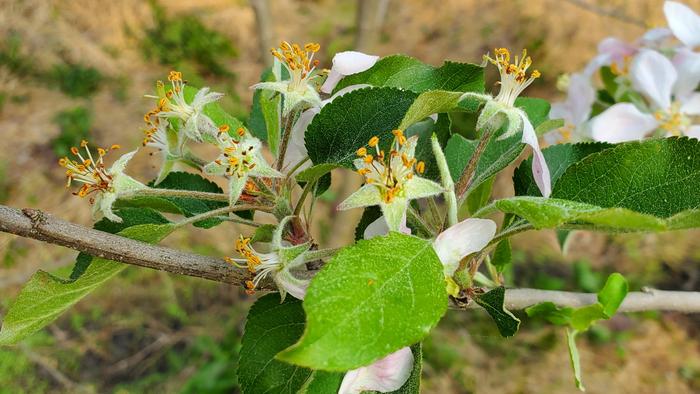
[154,192]
[307,188]
[297,166]
[447,183]
[465,180]
[286,135]
[221,211]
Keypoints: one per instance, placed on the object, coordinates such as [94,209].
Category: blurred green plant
[75,80]
[74,125]
[185,39]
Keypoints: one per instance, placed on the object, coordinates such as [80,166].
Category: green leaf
[424,150]
[314,173]
[348,123]
[563,237]
[428,103]
[412,385]
[497,156]
[369,215]
[44,297]
[537,109]
[181,205]
[264,121]
[272,325]
[479,195]
[574,358]
[553,212]
[657,177]
[405,72]
[263,233]
[370,300]
[502,255]
[322,382]
[613,293]
[582,318]
[549,125]
[552,313]
[492,302]
[559,158]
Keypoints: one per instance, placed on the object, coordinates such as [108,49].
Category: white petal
[214,168]
[684,22]
[376,229]
[687,65]
[463,239]
[297,149]
[581,95]
[347,63]
[366,196]
[263,169]
[693,132]
[282,87]
[691,105]
[622,122]
[105,207]
[385,375]
[610,50]
[653,75]
[540,170]
[288,283]
[344,91]
[655,36]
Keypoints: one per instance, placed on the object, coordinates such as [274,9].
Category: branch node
[36,216]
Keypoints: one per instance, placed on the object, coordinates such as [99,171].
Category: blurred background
[74,69]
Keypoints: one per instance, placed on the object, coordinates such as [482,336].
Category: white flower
[390,179]
[278,263]
[462,239]
[672,108]
[103,185]
[172,105]
[240,159]
[301,66]
[385,375]
[575,110]
[347,63]
[169,144]
[514,80]
[683,22]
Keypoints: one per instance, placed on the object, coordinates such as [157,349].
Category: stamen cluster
[297,59]
[672,120]
[514,78]
[238,154]
[389,174]
[153,121]
[90,172]
[265,263]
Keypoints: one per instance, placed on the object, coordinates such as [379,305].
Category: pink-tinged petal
[684,22]
[347,63]
[540,170]
[693,132]
[622,122]
[579,100]
[610,50]
[462,239]
[687,65]
[385,375]
[691,105]
[288,283]
[653,75]
[655,36]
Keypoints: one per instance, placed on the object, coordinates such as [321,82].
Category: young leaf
[613,293]
[502,256]
[348,123]
[550,312]
[405,72]
[428,103]
[44,297]
[574,358]
[271,326]
[370,300]
[264,121]
[492,302]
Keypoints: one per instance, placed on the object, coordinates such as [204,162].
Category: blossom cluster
[649,86]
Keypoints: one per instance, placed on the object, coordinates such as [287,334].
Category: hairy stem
[286,136]
[154,192]
[222,211]
[467,176]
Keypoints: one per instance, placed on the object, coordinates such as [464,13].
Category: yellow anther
[362,151]
[368,159]
[224,128]
[373,141]
[420,167]
[240,131]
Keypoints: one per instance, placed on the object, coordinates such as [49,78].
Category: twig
[41,226]
[222,211]
[465,180]
[636,301]
[155,192]
[607,12]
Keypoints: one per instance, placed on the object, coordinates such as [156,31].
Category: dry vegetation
[100,345]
